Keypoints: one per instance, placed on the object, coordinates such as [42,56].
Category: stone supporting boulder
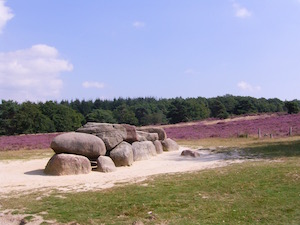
[111,134]
[160,131]
[79,144]
[145,136]
[105,164]
[143,150]
[190,153]
[68,164]
[170,145]
[122,155]
[158,147]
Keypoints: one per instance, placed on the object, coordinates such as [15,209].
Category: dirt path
[28,176]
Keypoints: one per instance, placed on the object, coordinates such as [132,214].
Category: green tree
[178,111]
[156,118]
[276,105]
[86,107]
[29,119]
[63,117]
[292,107]
[218,109]
[8,110]
[124,114]
[67,119]
[229,101]
[142,114]
[101,116]
[197,109]
[245,106]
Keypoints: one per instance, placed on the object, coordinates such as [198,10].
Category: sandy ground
[27,176]
[20,177]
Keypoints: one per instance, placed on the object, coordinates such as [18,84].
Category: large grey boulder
[68,164]
[158,147]
[170,145]
[145,136]
[79,144]
[122,155]
[111,134]
[105,164]
[143,150]
[160,131]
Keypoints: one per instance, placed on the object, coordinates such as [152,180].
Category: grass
[26,154]
[230,143]
[257,192]
[250,193]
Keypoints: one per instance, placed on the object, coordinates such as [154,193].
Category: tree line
[51,116]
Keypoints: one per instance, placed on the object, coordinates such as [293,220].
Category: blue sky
[66,49]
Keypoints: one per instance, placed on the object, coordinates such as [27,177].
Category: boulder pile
[105,146]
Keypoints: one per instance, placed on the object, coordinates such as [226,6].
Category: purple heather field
[276,124]
[29,141]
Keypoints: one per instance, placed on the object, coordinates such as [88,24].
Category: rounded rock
[143,150]
[190,153]
[170,145]
[105,164]
[122,155]
[79,144]
[68,164]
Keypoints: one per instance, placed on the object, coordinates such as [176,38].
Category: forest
[51,116]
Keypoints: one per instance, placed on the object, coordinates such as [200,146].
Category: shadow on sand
[39,172]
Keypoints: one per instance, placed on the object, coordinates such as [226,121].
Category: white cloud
[92,84]
[32,74]
[248,87]
[138,24]
[241,11]
[5,15]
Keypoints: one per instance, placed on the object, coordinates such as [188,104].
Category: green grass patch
[263,192]
[276,150]
[235,142]
[254,147]
[26,154]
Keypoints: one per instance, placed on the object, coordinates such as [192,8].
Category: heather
[29,141]
[277,125]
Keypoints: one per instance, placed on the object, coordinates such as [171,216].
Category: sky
[67,50]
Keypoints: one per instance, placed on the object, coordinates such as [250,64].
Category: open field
[235,181]
[234,143]
[26,154]
[263,191]
[277,125]
[29,141]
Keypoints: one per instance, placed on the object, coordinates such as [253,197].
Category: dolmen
[103,147]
